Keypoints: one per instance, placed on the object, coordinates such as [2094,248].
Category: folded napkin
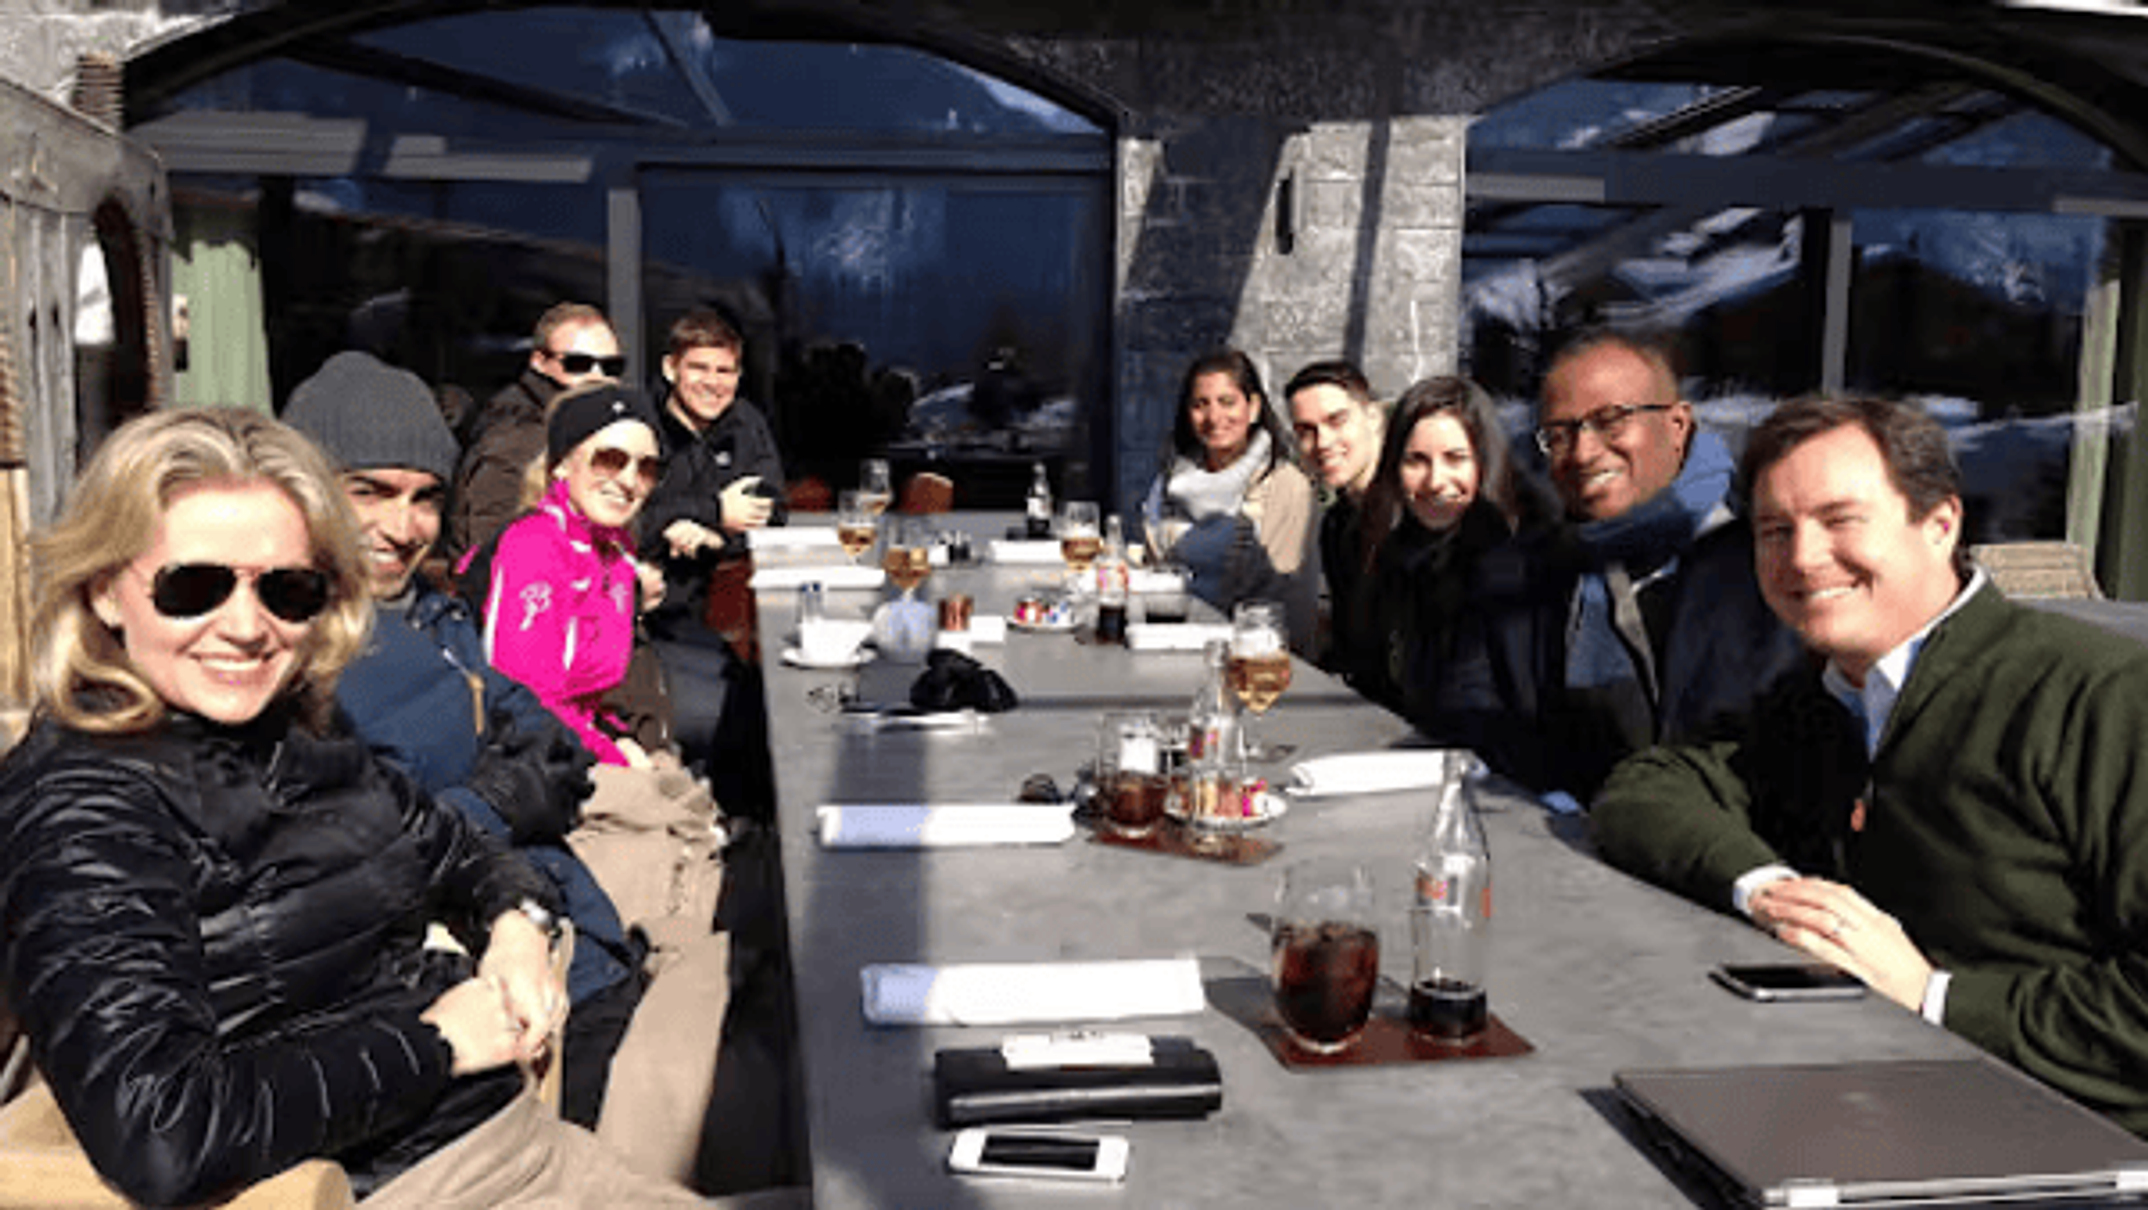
[1145,580]
[1374,772]
[833,575]
[1030,551]
[1014,993]
[1175,636]
[792,537]
[905,826]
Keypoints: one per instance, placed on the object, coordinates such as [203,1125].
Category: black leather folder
[975,1087]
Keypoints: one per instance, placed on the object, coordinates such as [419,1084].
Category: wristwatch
[543,917]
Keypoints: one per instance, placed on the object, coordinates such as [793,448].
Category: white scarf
[1193,491]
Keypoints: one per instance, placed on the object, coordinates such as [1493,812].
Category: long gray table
[1598,971]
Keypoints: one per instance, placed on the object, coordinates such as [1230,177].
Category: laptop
[1958,1132]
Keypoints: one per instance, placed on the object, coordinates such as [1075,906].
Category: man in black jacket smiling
[724,479]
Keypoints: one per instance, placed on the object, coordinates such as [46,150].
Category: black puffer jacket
[212,938]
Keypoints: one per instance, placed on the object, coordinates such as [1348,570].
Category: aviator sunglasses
[582,363]
[189,590]
[610,461]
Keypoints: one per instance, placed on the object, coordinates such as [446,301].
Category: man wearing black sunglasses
[573,346]
[1637,622]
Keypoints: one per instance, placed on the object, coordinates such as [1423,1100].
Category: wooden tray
[1388,1037]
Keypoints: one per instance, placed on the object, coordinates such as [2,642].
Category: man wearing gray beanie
[424,698]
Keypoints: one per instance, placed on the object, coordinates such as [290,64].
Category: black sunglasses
[189,590]
[610,461]
[582,363]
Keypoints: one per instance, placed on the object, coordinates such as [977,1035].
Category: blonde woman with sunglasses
[560,605]
[215,900]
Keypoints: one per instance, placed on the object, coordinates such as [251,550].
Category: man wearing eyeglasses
[1637,622]
[573,346]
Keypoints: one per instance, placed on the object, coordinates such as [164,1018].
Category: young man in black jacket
[723,479]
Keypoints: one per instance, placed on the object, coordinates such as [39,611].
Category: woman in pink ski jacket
[559,614]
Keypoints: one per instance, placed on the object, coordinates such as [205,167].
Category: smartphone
[1043,1155]
[1789,981]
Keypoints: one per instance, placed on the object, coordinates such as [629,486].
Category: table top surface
[1599,972]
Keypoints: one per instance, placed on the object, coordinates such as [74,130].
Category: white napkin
[1175,636]
[792,537]
[1145,580]
[1375,772]
[1015,993]
[1029,551]
[834,575]
[904,826]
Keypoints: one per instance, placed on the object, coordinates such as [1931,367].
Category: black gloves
[535,779]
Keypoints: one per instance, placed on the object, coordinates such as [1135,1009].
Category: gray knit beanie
[366,414]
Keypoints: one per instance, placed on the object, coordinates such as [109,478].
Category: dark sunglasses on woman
[189,590]
[610,461]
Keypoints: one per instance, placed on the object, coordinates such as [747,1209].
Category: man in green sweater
[1952,804]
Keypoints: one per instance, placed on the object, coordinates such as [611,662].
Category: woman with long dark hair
[1237,511]
[1445,490]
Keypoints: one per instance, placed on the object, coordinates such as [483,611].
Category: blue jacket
[412,697]
[1553,689]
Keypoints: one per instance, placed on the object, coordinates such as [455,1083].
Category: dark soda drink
[1111,622]
[1324,979]
[1135,802]
[1448,1009]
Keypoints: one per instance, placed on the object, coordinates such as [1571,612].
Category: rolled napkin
[1175,636]
[833,575]
[792,537]
[1375,772]
[1016,993]
[1031,552]
[913,826]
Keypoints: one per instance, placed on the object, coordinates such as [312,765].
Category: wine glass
[1081,540]
[854,524]
[908,558]
[875,490]
[1260,668]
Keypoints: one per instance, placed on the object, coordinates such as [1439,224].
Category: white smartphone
[1040,1154]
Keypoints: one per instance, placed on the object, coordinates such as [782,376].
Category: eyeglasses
[610,461]
[582,363]
[189,590]
[1556,437]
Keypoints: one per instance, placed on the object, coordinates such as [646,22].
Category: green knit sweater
[2006,828]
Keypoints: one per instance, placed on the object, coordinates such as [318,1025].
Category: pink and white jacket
[559,616]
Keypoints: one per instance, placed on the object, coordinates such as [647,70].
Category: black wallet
[975,1087]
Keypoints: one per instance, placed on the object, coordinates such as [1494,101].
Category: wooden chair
[2045,570]
[810,495]
[928,492]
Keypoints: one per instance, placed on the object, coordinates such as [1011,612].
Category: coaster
[1173,840]
[1388,1037]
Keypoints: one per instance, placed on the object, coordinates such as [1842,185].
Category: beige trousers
[646,835]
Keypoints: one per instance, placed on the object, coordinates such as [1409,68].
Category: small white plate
[1268,806]
[797,658]
[1042,627]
